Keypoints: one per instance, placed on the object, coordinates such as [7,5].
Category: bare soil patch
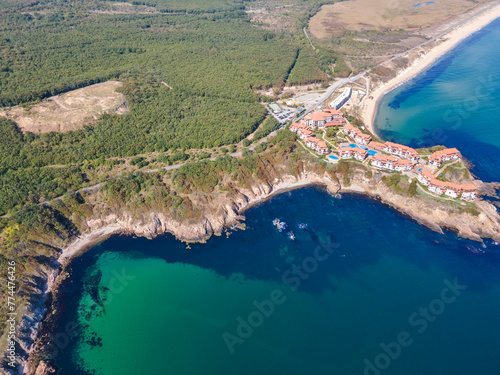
[69,111]
[386,15]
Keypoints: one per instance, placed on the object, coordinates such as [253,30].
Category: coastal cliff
[223,210]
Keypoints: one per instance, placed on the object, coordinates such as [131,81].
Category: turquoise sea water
[155,307]
[456,103]
[364,290]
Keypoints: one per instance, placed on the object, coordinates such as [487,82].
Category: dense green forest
[192,6]
[190,73]
[213,61]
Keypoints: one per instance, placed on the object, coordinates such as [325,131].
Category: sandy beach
[448,42]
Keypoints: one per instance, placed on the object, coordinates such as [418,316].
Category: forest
[213,61]
[190,72]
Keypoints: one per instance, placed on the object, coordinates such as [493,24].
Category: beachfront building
[401,150]
[384,161]
[439,157]
[377,146]
[353,152]
[350,130]
[425,177]
[362,138]
[342,98]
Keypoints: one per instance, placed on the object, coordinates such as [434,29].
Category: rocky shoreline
[224,213]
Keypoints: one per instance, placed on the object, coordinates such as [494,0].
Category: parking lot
[286,114]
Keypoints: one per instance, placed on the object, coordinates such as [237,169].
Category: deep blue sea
[455,103]
[361,282]
[364,290]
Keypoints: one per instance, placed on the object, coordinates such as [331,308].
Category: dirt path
[445,166]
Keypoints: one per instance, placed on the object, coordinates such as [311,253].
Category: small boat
[474,249]
[338,196]
[291,235]
[303,226]
[281,225]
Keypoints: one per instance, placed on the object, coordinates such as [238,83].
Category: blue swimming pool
[333,157]
[370,152]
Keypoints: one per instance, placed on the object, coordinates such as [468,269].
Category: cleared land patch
[385,15]
[69,111]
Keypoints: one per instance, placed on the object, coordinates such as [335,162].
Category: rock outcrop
[224,210]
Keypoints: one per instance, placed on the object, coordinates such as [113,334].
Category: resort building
[401,150]
[357,135]
[321,148]
[317,119]
[305,133]
[468,192]
[437,187]
[346,152]
[317,145]
[403,165]
[335,114]
[335,122]
[439,157]
[353,152]
[377,146]
[342,98]
[321,118]
[425,177]
[384,162]
[296,126]
[362,138]
[450,189]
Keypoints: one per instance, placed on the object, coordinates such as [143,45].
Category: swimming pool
[370,152]
[333,157]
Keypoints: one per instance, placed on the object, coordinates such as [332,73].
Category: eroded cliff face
[433,214]
[223,210]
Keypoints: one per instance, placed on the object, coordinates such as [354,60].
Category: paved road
[343,81]
[331,89]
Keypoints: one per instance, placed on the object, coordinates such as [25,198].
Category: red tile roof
[376,145]
[427,174]
[317,116]
[445,152]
